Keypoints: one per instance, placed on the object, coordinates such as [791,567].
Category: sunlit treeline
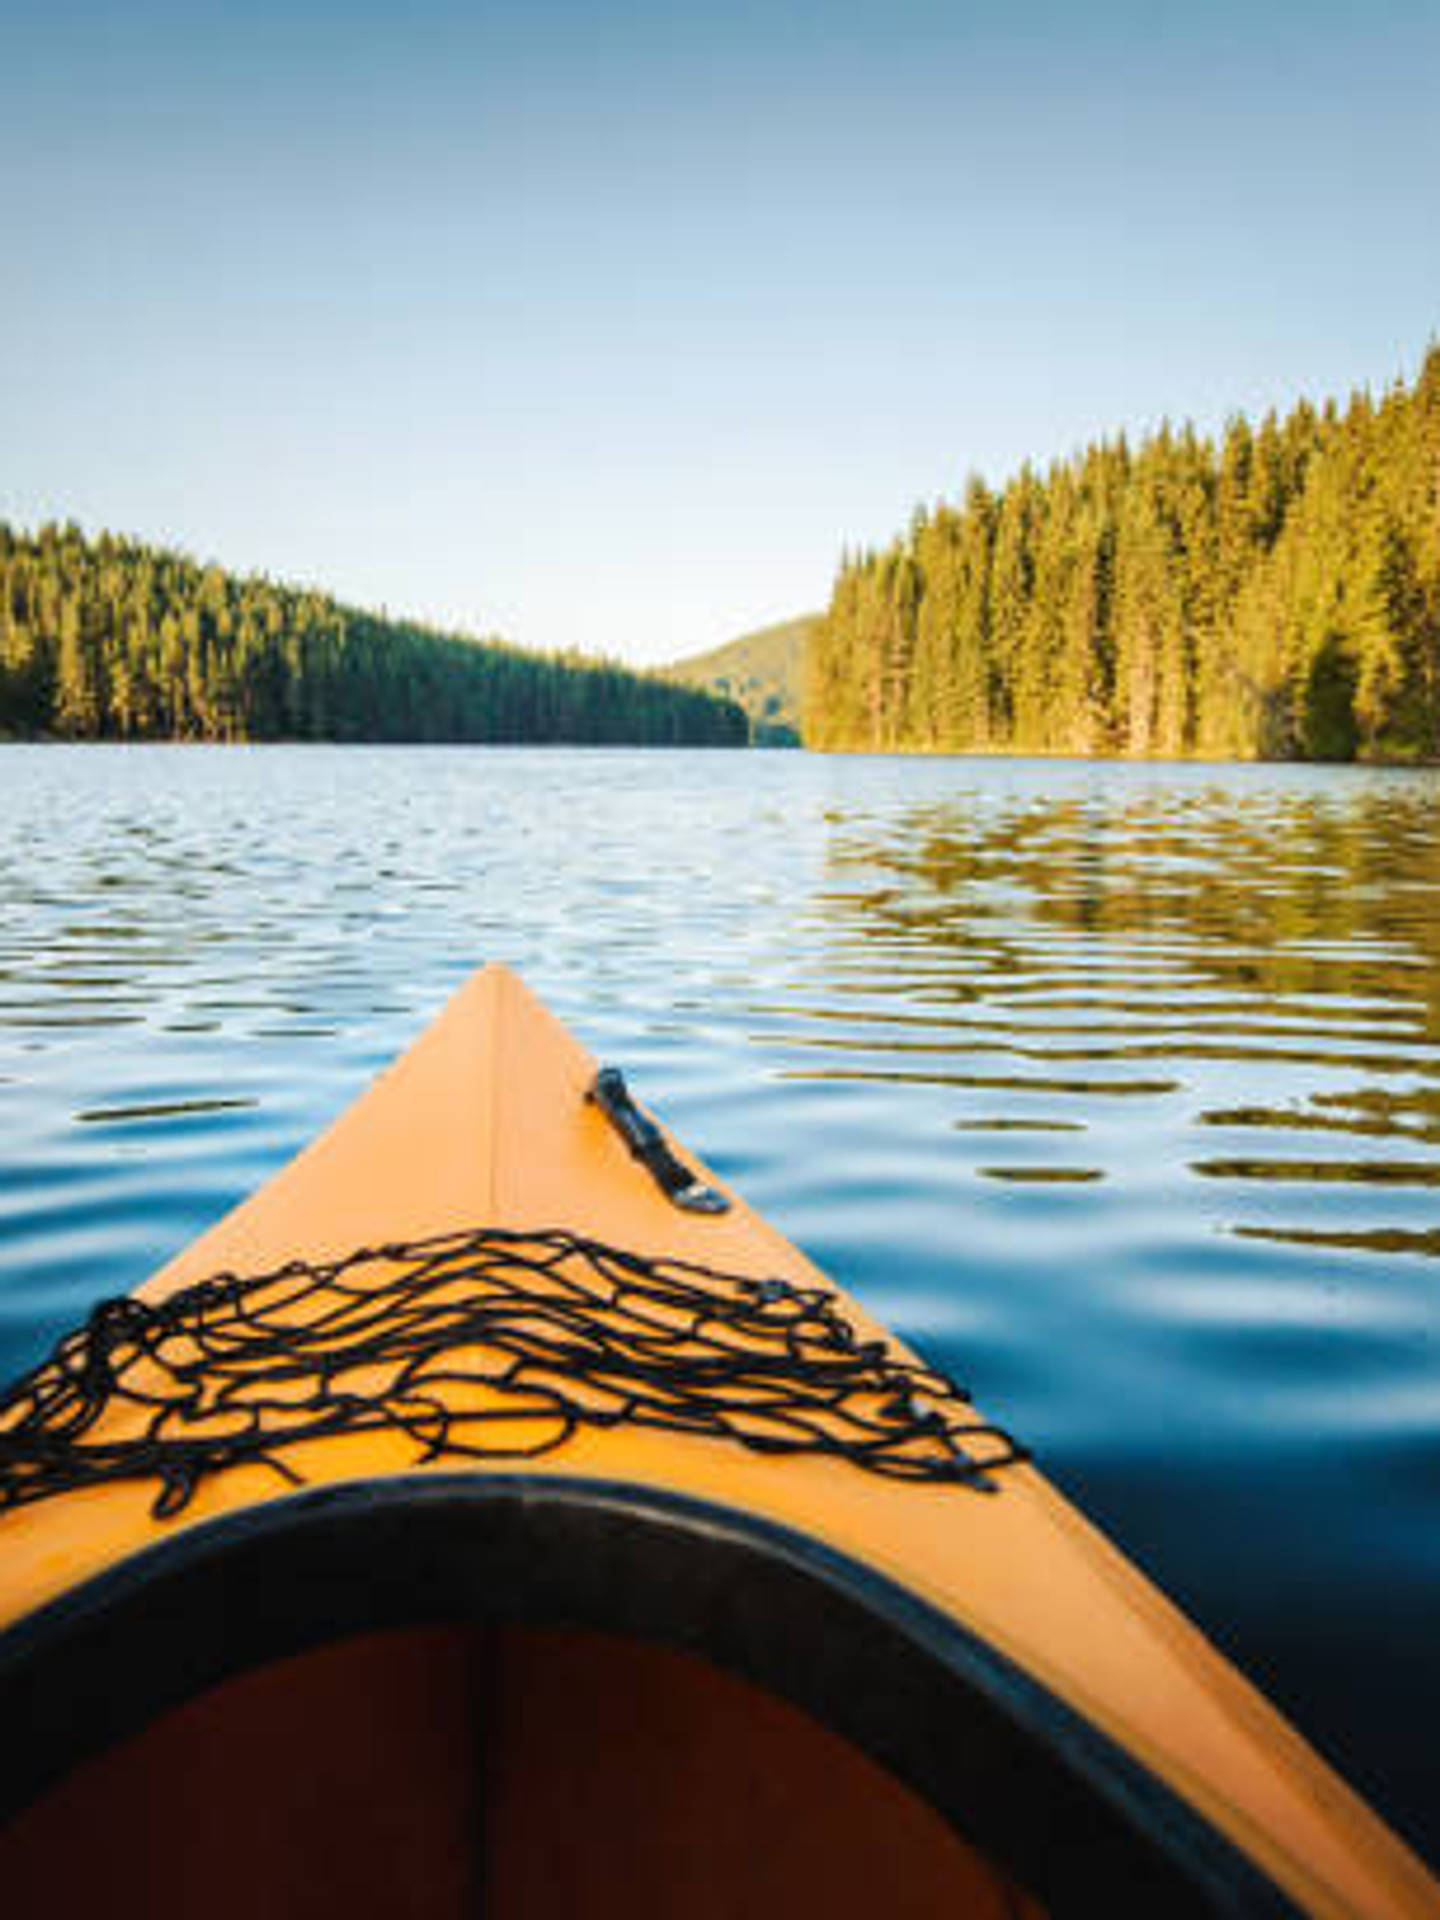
[1275,594]
[107,638]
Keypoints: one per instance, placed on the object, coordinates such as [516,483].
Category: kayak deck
[1013,1598]
[487,1345]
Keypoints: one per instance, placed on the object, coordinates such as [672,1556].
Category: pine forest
[107,638]
[1275,594]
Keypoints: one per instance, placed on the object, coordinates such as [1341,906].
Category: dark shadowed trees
[111,639]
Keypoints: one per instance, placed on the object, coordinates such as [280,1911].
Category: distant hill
[761,672]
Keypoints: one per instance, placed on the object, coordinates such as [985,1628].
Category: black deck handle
[647,1145]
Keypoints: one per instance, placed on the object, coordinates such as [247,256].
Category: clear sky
[611,325]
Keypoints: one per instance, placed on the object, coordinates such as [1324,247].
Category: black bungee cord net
[486,1344]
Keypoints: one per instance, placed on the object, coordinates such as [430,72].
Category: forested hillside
[760,670]
[111,639]
[1275,594]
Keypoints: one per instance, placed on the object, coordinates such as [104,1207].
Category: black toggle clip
[647,1145]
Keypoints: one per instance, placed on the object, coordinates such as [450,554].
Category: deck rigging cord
[486,1344]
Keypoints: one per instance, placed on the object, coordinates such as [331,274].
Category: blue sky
[612,325]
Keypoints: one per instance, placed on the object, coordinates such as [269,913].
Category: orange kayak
[493,1515]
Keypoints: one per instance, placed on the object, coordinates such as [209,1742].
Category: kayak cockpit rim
[1016,1772]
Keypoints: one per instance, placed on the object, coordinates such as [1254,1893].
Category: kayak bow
[470,1522]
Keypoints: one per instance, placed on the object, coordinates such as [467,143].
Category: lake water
[1116,1089]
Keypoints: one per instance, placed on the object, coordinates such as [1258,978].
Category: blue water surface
[1116,1089]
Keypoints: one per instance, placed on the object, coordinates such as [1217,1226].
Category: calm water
[1116,1089]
